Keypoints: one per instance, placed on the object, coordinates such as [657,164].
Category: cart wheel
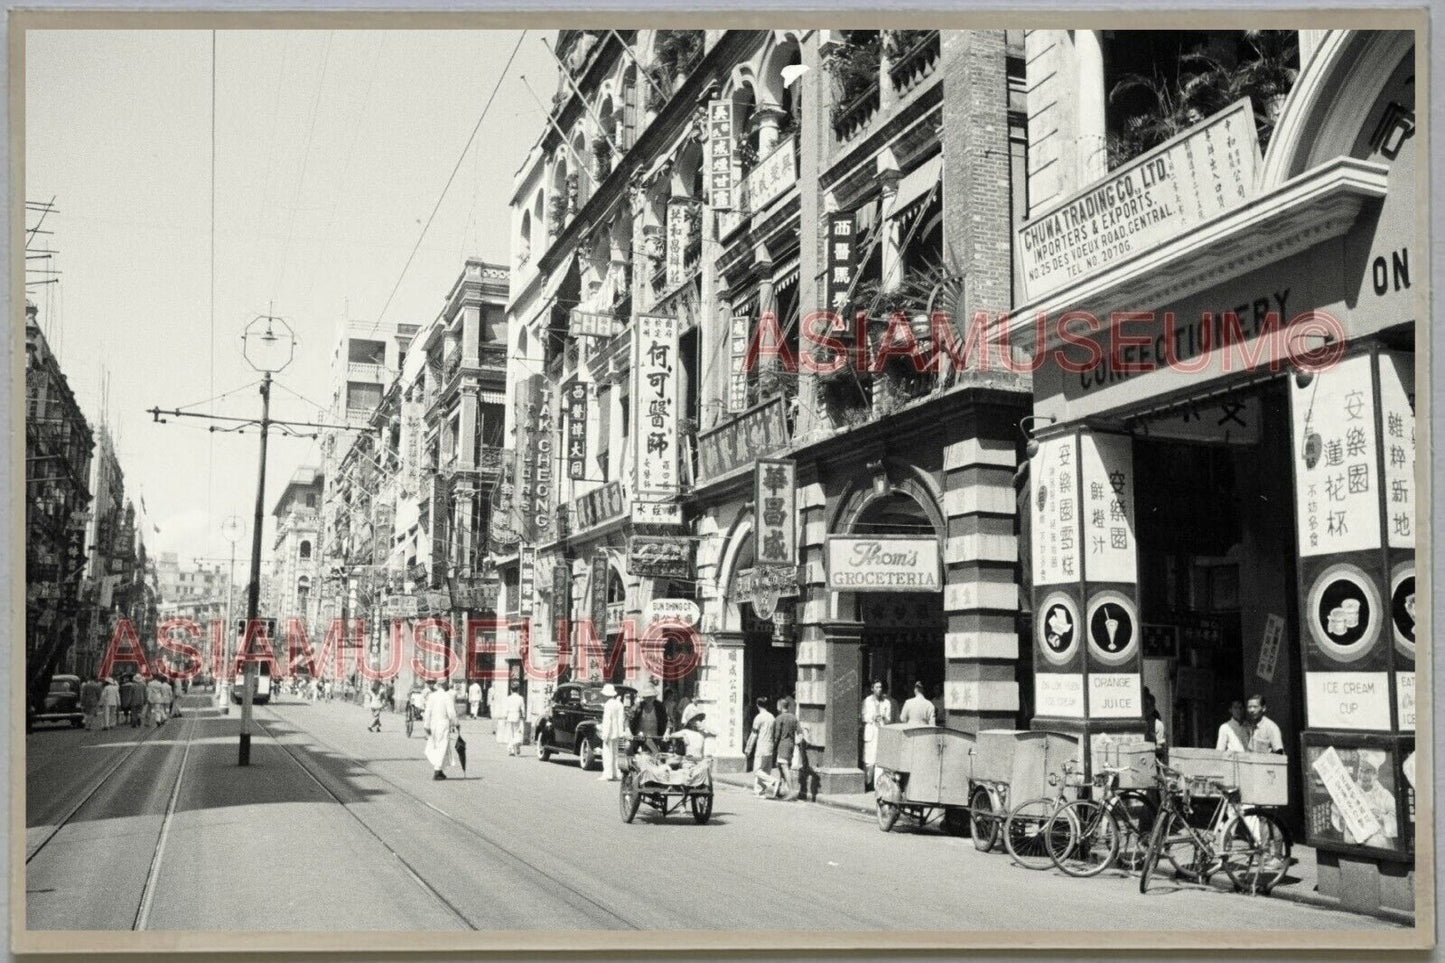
[701,806]
[887,814]
[955,822]
[982,820]
[629,798]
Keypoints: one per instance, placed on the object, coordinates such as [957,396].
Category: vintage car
[571,721]
[62,703]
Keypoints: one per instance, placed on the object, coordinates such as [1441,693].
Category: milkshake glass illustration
[1111,626]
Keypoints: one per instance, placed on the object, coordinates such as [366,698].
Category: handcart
[659,772]
[923,771]
[1019,778]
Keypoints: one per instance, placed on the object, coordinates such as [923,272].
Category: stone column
[1093,158]
[836,762]
[767,118]
[721,692]
[981,595]
[888,178]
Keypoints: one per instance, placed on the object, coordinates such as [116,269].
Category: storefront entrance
[1215,508]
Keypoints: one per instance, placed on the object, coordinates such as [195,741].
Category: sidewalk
[1300,885]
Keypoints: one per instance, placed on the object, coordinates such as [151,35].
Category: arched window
[305,550]
[524,248]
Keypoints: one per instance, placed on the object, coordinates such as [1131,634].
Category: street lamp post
[268,350]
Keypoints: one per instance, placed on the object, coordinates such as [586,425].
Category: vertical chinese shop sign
[654,407]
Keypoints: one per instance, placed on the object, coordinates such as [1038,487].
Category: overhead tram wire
[305,162]
[461,159]
[211,443]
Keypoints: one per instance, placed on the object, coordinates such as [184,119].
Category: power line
[211,442]
[458,166]
[305,161]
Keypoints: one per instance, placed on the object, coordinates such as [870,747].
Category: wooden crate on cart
[1262,778]
[937,760]
[1031,763]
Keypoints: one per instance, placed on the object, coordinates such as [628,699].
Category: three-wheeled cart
[923,771]
[661,774]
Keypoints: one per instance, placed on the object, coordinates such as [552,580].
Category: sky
[331,150]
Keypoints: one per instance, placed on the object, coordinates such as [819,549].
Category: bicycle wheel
[1025,833]
[1134,814]
[982,820]
[1179,846]
[1255,851]
[1089,841]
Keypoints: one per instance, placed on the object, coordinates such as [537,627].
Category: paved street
[336,828]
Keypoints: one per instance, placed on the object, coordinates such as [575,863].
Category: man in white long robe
[439,719]
[514,712]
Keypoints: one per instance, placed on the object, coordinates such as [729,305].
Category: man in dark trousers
[785,740]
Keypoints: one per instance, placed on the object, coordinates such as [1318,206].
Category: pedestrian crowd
[134,702]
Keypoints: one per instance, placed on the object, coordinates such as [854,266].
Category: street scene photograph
[512,485]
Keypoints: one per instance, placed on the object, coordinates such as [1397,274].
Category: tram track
[553,881]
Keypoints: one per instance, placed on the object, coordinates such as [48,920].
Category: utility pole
[231,530]
[268,351]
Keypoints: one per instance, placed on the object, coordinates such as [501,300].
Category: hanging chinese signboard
[659,556]
[526,580]
[598,506]
[654,406]
[576,401]
[656,513]
[411,431]
[775,504]
[840,258]
[534,460]
[1397,416]
[600,571]
[679,217]
[561,590]
[591,324]
[502,522]
[759,432]
[720,153]
[1108,468]
[738,333]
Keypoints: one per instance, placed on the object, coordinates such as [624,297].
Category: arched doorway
[903,632]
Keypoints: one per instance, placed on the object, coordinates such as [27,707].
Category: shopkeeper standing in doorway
[1264,735]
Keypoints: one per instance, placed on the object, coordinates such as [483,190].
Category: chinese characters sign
[679,218]
[576,397]
[590,324]
[534,459]
[597,506]
[738,332]
[1397,418]
[840,258]
[766,182]
[1200,174]
[1108,513]
[654,406]
[720,153]
[1054,536]
[1336,499]
[760,432]
[775,502]
[526,579]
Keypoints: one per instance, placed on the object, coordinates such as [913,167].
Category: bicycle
[1087,835]
[1026,831]
[1251,845]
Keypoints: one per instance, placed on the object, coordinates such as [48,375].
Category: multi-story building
[114,575]
[58,447]
[296,549]
[705,192]
[1242,454]
[198,591]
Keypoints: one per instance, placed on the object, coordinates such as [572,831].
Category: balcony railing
[915,64]
[493,355]
[850,119]
[360,369]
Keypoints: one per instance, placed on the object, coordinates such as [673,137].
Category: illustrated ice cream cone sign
[1059,626]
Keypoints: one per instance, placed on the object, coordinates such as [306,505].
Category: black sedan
[62,703]
[572,722]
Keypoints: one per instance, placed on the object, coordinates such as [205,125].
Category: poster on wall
[654,406]
[1054,533]
[1107,463]
[1352,795]
[738,334]
[1336,480]
[1397,416]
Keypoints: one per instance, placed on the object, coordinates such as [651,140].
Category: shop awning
[916,189]
[492,397]
[558,278]
[865,219]
[786,279]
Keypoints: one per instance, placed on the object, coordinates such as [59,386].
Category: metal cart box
[1030,763]
[1136,759]
[938,761]
[1262,779]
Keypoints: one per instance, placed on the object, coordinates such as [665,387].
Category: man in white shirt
[514,711]
[760,745]
[917,711]
[1233,736]
[614,727]
[877,711]
[439,719]
[474,699]
[1264,735]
